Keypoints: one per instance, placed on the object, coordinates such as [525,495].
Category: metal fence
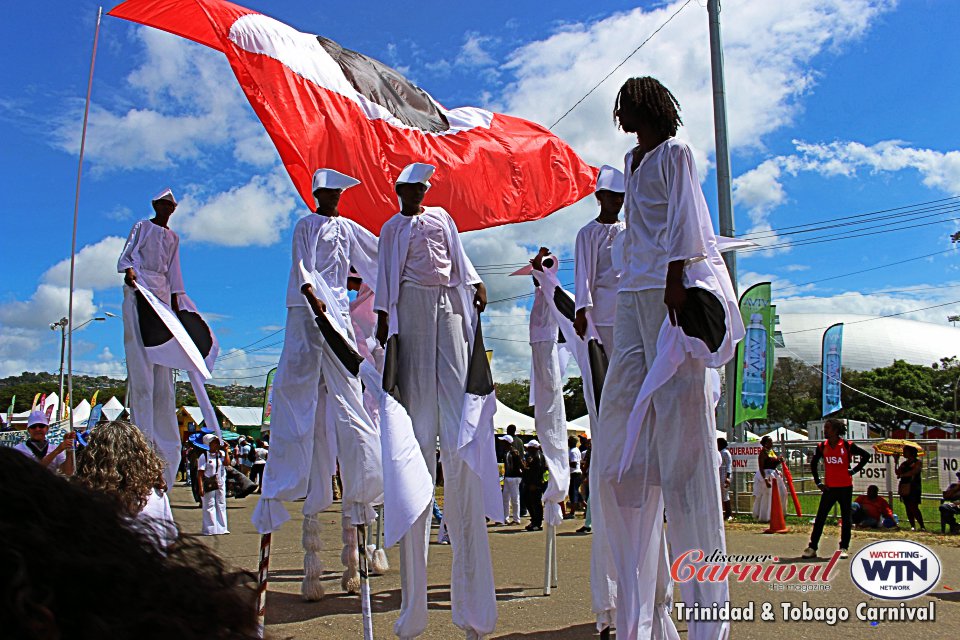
[879,471]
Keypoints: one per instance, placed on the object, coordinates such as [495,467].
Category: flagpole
[76,210]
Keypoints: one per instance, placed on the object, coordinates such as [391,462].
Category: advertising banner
[268,400]
[830,366]
[755,356]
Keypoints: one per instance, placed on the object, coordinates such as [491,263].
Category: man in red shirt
[837,485]
[871,511]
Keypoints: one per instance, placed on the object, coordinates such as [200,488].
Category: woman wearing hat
[211,466]
[36,446]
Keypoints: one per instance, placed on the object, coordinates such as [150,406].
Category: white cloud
[255,213]
[47,304]
[96,266]
[190,110]
[473,53]
[761,190]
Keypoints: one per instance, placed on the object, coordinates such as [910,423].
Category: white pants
[551,423]
[215,506]
[318,415]
[150,392]
[511,500]
[674,468]
[763,495]
[603,572]
[432,379]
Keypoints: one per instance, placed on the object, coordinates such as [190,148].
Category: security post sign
[878,471]
[948,459]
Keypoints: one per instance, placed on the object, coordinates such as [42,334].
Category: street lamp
[953,319]
[61,324]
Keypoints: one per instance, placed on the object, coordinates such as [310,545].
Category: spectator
[768,463]
[261,451]
[36,446]
[211,466]
[120,463]
[109,581]
[910,473]
[726,473]
[585,483]
[244,457]
[837,484]
[576,475]
[950,507]
[533,480]
[871,511]
[512,473]
[517,445]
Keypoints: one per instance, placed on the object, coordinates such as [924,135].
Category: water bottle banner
[755,357]
[831,356]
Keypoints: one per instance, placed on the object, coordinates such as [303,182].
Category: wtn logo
[895,569]
[903,570]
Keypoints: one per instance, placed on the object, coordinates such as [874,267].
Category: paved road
[525,614]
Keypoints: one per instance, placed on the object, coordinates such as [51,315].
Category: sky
[835,107]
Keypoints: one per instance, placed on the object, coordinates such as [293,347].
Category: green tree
[516,395]
[795,393]
[907,386]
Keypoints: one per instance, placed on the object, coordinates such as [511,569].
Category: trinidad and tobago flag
[326,106]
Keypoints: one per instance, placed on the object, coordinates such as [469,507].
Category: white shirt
[662,204]
[54,465]
[595,279]
[543,325]
[328,247]
[157,515]
[211,466]
[154,254]
[261,455]
[428,256]
[575,458]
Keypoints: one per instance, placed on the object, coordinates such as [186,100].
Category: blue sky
[836,107]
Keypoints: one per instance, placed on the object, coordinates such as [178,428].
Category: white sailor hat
[506,438]
[209,438]
[610,179]
[417,172]
[37,417]
[167,195]
[533,444]
[330,179]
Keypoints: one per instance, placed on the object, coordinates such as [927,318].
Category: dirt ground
[524,612]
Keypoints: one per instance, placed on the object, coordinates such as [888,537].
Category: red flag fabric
[326,106]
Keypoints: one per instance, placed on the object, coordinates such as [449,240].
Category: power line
[623,62]
[882,266]
[889,315]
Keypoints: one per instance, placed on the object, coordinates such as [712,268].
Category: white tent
[112,408]
[782,433]
[526,426]
[81,413]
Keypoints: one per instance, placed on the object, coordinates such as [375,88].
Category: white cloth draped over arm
[174,274]
[126,256]
[364,254]
[585,269]
[685,240]
[305,253]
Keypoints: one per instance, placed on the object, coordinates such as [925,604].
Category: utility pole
[62,325]
[724,192]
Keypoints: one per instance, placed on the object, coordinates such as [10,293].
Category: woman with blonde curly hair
[119,462]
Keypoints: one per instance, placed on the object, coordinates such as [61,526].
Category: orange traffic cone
[777,522]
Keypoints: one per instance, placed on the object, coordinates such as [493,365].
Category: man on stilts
[318,410]
[428,297]
[669,459]
[596,280]
[151,258]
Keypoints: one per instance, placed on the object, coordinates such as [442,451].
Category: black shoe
[584,529]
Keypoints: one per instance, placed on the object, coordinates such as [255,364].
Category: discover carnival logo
[895,569]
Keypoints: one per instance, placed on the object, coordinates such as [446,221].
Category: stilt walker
[550,419]
[318,413]
[677,315]
[596,279]
[428,297]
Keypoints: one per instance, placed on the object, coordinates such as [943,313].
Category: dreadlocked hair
[652,101]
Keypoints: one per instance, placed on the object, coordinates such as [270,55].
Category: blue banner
[831,359]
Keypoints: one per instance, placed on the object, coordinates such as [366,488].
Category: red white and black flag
[326,106]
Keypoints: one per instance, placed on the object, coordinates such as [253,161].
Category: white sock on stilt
[312,588]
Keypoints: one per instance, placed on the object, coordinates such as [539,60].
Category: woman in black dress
[910,472]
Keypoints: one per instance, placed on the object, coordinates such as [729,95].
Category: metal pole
[76,211]
[366,615]
[63,344]
[724,193]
